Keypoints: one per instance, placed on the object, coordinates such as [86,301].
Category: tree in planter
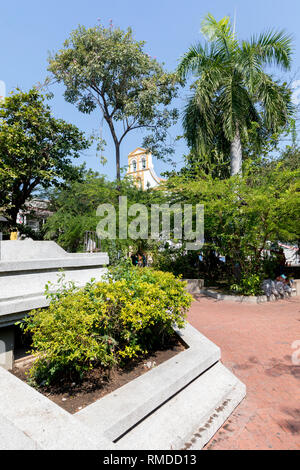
[232,91]
[106,68]
[36,150]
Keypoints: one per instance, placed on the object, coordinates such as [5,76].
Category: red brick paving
[255,342]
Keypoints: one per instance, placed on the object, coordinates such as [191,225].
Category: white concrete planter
[26,266]
[179,404]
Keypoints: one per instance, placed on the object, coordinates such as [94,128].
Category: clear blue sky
[30,29]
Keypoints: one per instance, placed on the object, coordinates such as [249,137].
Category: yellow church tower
[140,168]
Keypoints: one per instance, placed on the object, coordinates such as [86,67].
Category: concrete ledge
[26,266]
[237,298]
[79,260]
[24,291]
[190,418]
[7,343]
[217,417]
[18,250]
[13,310]
[115,413]
[29,420]
[12,438]
[17,307]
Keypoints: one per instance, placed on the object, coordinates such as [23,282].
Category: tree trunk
[118,164]
[236,154]
[11,216]
[117,147]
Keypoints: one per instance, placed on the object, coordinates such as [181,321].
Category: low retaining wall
[194,286]
[239,298]
[296,285]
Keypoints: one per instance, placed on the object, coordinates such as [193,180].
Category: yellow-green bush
[105,323]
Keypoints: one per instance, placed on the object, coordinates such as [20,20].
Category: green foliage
[35,149]
[177,261]
[232,91]
[215,163]
[107,67]
[243,215]
[250,285]
[75,208]
[106,323]
[290,158]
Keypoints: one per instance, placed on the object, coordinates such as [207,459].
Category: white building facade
[141,169]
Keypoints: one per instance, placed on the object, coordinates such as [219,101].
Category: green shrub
[248,285]
[178,261]
[106,323]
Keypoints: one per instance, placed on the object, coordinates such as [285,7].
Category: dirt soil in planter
[73,396]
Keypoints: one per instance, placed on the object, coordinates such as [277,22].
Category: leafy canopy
[36,149]
[107,68]
[243,215]
[74,210]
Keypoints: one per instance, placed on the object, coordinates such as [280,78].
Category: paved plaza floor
[260,344]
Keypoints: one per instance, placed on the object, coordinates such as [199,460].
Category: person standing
[281,261]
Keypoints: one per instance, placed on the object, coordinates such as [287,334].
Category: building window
[134,165]
[144,163]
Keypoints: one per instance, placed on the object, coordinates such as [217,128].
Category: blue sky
[30,30]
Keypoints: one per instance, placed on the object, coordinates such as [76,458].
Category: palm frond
[200,112]
[199,125]
[200,58]
[249,64]
[213,29]
[219,32]
[275,102]
[233,91]
[273,48]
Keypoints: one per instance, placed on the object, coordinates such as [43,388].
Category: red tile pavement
[256,345]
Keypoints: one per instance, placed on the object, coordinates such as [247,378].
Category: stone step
[191,417]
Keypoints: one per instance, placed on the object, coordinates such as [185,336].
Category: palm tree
[232,90]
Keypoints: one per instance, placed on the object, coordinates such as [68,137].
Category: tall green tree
[74,211]
[36,149]
[243,216]
[232,89]
[107,68]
